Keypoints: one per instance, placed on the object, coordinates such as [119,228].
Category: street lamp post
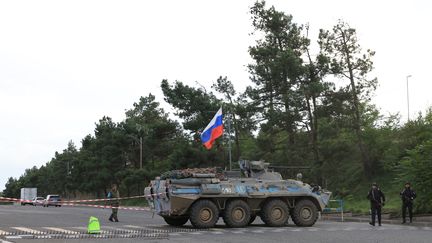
[407,78]
[140,141]
[139,128]
[141,152]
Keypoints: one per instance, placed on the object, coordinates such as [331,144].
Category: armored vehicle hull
[203,198]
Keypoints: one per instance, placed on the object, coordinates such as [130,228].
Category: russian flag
[213,130]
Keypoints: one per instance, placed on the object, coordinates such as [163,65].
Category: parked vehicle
[204,197]
[28,194]
[52,200]
[38,201]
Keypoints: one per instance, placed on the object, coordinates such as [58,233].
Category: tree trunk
[367,167]
[313,118]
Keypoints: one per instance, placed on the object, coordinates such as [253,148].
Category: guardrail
[338,209]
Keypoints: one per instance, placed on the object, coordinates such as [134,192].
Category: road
[23,224]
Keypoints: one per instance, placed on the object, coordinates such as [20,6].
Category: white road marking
[241,232]
[85,229]
[135,227]
[257,231]
[195,233]
[4,241]
[260,228]
[217,232]
[112,228]
[278,230]
[177,234]
[427,228]
[28,230]
[157,230]
[217,229]
[14,237]
[61,230]
[332,229]
[296,230]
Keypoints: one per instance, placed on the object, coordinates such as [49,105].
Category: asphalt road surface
[68,224]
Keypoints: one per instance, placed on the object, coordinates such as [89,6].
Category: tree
[195,106]
[12,188]
[417,169]
[314,90]
[159,134]
[240,114]
[276,68]
[348,61]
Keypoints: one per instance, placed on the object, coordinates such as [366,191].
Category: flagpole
[229,141]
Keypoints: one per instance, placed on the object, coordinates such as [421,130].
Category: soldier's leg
[111,216]
[410,212]
[373,211]
[115,211]
[403,212]
[379,215]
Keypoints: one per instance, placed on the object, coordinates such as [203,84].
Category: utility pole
[68,168]
[141,152]
[139,129]
[407,77]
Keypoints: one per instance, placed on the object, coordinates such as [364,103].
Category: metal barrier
[338,209]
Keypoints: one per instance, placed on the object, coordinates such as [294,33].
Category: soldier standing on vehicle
[377,201]
[114,195]
[407,195]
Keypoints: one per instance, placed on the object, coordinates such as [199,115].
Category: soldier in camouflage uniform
[407,195]
[114,195]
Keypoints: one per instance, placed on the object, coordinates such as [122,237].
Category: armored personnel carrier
[236,197]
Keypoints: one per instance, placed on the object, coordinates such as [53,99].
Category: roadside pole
[141,152]
[229,141]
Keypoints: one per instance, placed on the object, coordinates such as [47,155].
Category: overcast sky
[65,64]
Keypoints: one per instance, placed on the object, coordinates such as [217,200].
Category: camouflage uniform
[408,195]
[114,194]
[377,201]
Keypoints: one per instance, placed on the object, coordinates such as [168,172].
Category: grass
[357,203]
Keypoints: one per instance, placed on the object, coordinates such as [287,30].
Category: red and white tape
[84,200]
[8,199]
[106,206]
[14,199]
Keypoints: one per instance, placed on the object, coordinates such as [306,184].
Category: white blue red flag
[213,130]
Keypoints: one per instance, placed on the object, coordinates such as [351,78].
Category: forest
[304,107]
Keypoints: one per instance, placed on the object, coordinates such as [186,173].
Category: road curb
[384,221]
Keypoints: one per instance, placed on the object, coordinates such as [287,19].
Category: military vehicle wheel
[204,214]
[252,219]
[237,214]
[275,213]
[177,221]
[305,213]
